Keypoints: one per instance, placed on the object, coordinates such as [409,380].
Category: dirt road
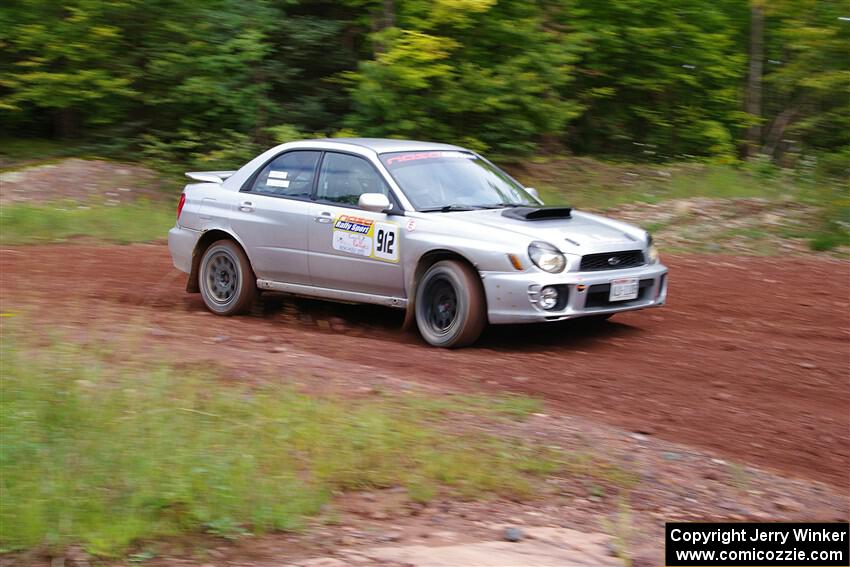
[749,360]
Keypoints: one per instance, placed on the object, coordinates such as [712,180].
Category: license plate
[623,289]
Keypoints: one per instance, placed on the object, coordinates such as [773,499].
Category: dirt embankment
[82,181]
[749,360]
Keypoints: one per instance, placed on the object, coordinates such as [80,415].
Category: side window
[343,178]
[289,175]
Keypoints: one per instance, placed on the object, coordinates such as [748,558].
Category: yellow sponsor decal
[365,237]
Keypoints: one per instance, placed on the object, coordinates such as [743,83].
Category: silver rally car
[431,228]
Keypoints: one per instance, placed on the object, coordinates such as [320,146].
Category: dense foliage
[655,79]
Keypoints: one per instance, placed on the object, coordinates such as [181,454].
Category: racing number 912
[386,241]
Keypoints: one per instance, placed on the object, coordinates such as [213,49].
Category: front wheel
[226,279]
[450,306]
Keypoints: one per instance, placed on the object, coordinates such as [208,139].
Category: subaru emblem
[613,260]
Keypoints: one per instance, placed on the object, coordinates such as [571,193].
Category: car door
[350,248]
[273,213]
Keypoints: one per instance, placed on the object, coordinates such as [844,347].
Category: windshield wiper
[503,205]
[449,208]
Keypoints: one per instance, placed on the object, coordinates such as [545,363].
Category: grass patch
[142,221]
[588,183]
[832,228]
[607,189]
[508,406]
[17,151]
[103,451]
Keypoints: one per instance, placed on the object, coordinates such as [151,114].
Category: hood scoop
[537,213]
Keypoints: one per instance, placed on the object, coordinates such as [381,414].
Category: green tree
[489,75]
[808,74]
[64,60]
[314,41]
[650,78]
[205,64]
[663,78]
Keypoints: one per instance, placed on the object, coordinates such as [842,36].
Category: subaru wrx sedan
[434,229]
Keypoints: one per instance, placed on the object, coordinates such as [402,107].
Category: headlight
[653,254]
[652,251]
[546,257]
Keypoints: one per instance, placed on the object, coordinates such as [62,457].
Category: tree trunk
[66,123]
[777,130]
[753,104]
[389,13]
[382,21]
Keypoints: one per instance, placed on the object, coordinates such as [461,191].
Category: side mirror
[375,202]
[533,192]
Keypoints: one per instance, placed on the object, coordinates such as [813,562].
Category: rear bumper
[181,244]
[512,297]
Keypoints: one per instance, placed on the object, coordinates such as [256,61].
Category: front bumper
[512,297]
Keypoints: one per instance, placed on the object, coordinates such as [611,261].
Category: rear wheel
[450,306]
[226,280]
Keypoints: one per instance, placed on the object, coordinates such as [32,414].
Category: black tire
[450,306]
[226,280]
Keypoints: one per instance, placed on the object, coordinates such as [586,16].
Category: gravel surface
[731,403]
[749,359]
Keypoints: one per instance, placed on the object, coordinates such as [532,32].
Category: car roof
[385,145]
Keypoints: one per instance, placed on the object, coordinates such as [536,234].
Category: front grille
[597,295]
[611,261]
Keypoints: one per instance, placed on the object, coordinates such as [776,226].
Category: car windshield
[453,180]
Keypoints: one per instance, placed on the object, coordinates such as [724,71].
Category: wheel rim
[222,277]
[441,299]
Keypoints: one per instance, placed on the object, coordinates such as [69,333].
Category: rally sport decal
[365,237]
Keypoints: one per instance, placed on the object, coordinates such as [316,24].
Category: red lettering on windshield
[411,157]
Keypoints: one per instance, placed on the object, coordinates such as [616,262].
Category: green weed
[610,186]
[587,183]
[506,406]
[141,221]
[104,451]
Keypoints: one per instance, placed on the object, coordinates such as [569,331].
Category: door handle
[246,206]
[324,218]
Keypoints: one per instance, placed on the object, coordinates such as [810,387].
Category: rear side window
[288,175]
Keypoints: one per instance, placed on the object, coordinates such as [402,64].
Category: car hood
[581,233]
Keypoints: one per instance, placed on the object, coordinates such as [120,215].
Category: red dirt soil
[748,360]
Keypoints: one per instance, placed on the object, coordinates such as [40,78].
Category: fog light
[548,297]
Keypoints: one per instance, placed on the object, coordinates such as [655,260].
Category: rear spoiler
[209,176]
